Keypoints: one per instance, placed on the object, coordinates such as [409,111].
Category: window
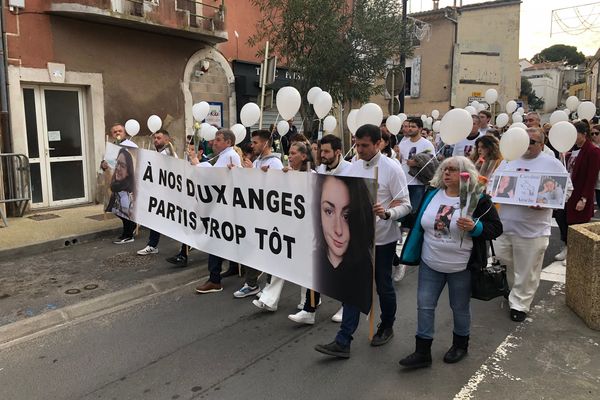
[407,81]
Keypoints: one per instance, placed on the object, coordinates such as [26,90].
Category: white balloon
[402,116]
[154,123]
[514,143]
[456,125]
[250,114]
[572,103]
[586,110]
[518,125]
[329,123]
[283,127]
[558,116]
[200,111]
[475,104]
[393,124]
[132,127]
[288,102]
[511,106]
[562,136]
[240,132]
[435,114]
[204,128]
[369,113]
[312,94]
[351,120]
[322,104]
[521,110]
[501,120]
[429,121]
[423,117]
[210,133]
[436,126]
[491,95]
[471,110]
[516,117]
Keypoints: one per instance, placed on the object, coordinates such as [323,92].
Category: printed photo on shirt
[412,152]
[468,150]
[442,222]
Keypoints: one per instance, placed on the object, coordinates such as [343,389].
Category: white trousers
[523,258]
[272,292]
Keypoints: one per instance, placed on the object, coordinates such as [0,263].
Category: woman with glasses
[447,245]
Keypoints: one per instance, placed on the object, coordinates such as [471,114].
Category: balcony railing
[188,18]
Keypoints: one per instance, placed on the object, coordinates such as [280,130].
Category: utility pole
[403,55]
[263,84]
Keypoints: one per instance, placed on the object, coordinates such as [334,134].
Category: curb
[57,244]
[31,326]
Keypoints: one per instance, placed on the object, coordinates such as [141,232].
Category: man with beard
[331,156]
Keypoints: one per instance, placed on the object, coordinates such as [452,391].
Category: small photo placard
[529,189]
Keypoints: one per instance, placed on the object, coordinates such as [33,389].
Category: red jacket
[584,176]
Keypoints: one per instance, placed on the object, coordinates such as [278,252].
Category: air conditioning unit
[16,3]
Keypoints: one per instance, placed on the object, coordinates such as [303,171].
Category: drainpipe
[455,21]
[4,105]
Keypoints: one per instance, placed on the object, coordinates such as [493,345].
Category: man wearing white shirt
[392,203]
[226,156]
[265,160]
[415,144]
[526,229]
[332,162]
[120,137]
[484,122]
[467,145]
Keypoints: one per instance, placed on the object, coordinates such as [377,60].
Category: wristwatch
[387,215]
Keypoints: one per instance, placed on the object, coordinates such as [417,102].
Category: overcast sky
[536,16]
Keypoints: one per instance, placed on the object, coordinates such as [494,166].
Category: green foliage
[559,52]
[342,49]
[535,103]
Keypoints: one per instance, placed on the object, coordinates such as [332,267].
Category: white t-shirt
[521,220]
[228,156]
[391,186]
[442,250]
[408,149]
[272,161]
[464,147]
[342,166]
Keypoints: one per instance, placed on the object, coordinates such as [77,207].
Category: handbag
[489,281]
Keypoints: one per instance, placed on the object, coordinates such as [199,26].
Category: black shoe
[421,358]
[334,349]
[458,351]
[178,260]
[382,336]
[230,272]
[517,316]
[396,261]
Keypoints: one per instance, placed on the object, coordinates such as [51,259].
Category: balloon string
[349,151]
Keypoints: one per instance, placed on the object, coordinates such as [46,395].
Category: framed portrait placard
[529,189]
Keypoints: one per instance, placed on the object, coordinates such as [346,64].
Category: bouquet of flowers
[470,191]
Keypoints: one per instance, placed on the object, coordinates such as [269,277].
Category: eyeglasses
[450,169]
[531,141]
[594,133]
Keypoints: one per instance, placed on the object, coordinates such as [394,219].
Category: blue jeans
[431,284]
[154,238]
[384,256]
[215,264]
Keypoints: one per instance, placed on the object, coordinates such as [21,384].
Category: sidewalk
[54,229]
[63,265]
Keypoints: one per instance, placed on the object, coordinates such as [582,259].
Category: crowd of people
[417,205]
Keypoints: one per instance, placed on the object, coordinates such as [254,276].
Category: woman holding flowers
[448,240]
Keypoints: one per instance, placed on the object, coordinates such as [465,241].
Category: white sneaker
[246,291]
[399,272]
[148,250]
[562,255]
[263,306]
[303,317]
[337,317]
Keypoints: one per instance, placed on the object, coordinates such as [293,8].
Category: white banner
[529,189]
[305,228]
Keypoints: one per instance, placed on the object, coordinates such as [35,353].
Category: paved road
[180,345]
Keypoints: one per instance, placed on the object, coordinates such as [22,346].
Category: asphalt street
[180,345]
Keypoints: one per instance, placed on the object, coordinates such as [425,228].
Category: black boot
[458,351]
[421,358]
